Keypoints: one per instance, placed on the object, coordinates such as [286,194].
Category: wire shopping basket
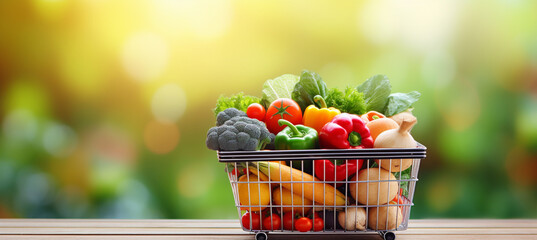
[377,198]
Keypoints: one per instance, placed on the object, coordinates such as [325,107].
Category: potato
[387,217]
[368,193]
[353,219]
[283,195]
[258,194]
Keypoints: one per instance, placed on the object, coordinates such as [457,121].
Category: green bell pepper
[297,137]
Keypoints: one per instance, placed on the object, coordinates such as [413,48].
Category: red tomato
[272,222]
[256,221]
[288,220]
[303,224]
[257,111]
[318,224]
[282,108]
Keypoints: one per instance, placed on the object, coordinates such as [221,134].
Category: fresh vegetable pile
[300,112]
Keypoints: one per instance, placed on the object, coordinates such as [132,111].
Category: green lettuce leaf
[403,176]
[350,101]
[400,102]
[238,101]
[310,84]
[280,87]
[376,91]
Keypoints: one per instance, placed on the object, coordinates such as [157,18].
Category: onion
[398,118]
[397,138]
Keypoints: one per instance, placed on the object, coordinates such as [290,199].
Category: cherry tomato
[318,223]
[272,222]
[288,221]
[303,224]
[256,221]
[282,108]
[257,111]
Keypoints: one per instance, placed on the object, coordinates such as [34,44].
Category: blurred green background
[104,105]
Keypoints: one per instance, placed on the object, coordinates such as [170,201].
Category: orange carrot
[313,188]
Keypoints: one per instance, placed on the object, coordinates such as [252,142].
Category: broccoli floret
[271,144]
[239,133]
[227,114]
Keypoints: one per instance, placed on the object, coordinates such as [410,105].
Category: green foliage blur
[104,105]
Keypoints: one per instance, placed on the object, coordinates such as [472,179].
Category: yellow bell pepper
[316,118]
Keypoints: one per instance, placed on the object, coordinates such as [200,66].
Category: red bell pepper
[329,171]
[345,131]
[372,115]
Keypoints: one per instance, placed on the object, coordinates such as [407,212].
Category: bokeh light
[169,103]
[438,69]
[461,104]
[34,188]
[389,21]
[161,137]
[108,143]
[208,18]
[20,125]
[145,56]
[50,10]
[83,70]
[520,165]
[444,194]
[26,95]
[7,171]
[59,140]
[526,127]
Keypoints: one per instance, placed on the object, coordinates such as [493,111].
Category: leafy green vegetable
[280,87]
[238,101]
[399,102]
[310,84]
[404,184]
[350,101]
[376,91]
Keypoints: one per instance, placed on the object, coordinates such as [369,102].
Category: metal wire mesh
[376,198]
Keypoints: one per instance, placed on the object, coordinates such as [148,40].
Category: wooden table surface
[63,229]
